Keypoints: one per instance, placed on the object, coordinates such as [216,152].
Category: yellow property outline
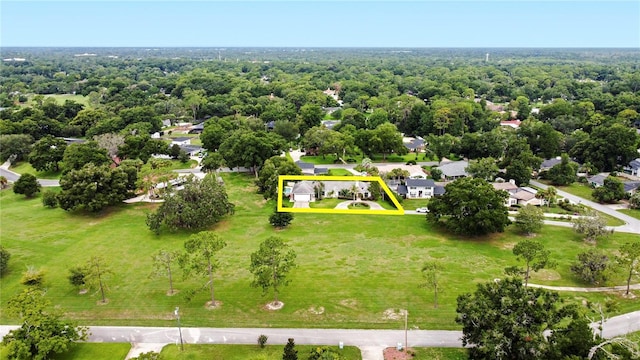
[282,178]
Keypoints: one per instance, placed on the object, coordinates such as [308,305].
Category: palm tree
[549,194]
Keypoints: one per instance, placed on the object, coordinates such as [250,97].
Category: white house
[417,189]
[181,141]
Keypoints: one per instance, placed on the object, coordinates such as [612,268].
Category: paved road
[632,225]
[373,341]
[13,176]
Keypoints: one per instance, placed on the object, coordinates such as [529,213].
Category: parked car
[422,210]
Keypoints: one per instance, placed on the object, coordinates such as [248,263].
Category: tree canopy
[201,203]
[470,206]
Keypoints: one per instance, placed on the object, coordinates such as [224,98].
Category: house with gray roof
[419,188]
[303,191]
[633,168]
[454,170]
[597,180]
[311,169]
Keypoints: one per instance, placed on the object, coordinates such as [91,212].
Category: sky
[321,23]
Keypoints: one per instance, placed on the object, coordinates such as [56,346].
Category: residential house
[333,189]
[597,180]
[197,129]
[454,170]
[508,187]
[514,124]
[633,168]
[417,189]
[166,123]
[303,191]
[413,144]
[547,164]
[631,187]
[306,190]
[307,168]
[180,141]
[329,124]
[521,196]
[310,169]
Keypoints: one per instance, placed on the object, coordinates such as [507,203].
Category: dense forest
[583,102]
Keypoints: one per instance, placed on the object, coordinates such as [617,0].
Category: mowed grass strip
[355,271]
[88,351]
[244,352]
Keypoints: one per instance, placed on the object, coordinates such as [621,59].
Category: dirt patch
[171,293]
[83,291]
[274,305]
[546,274]
[350,303]
[212,305]
[507,246]
[317,310]
[394,314]
[100,302]
[392,353]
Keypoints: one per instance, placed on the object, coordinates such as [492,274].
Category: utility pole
[179,328]
[406,346]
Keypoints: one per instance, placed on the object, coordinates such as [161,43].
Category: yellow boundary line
[282,178]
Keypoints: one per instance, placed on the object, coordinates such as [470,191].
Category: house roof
[439,190]
[303,187]
[506,186]
[635,164]
[329,124]
[336,186]
[598,179]
[413,143]
[190,149]
[630,185]
[198,126]
[180,139]
[521,194]
[304,165]
[456,168]
[549,163]
[320,171]
[421,182]
[402,190]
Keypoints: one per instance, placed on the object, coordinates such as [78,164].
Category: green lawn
[89,351]
[327,203]
[24,167]
[631,212]
[61,98]
[412,204]
[247,352]
[354,266]
[440,354]
[340,172]
[577,189]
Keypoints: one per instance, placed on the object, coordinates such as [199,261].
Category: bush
[280,219]
[262,340]
[591,267]
[32,277]
[4,259]
[27,185]
[50,199]
[411,162]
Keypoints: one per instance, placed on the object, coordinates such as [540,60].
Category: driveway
[632,225]
[372,205]
[301,204]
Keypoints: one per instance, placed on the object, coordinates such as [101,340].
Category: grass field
[440,354]
[24,167]
[61,98]
[248,352]
[89,351]
[340,172]
[631,212]
[353,266]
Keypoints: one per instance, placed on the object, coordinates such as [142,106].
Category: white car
[422,210]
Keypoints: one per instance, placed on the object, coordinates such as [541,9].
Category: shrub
[4,259]
[262,340]
[77,276]
[32,277]
[591,267]
[411,162]
[27,185]
[50,199]
[280,219]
